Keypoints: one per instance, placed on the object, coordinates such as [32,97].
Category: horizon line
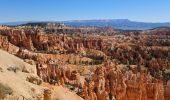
[81,20]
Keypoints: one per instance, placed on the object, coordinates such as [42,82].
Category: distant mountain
[124,24]
[31,23]
[14,23]
[115,23]
[158,31]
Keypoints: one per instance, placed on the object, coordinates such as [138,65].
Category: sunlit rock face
[38,40]
[124,66]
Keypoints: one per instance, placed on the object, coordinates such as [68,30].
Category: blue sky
[57,10]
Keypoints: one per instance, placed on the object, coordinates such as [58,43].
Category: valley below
[51,61]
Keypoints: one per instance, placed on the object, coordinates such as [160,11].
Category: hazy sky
[56,10]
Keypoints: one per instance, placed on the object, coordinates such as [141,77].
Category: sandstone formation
[122,66]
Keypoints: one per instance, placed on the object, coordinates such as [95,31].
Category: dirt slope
[17,80]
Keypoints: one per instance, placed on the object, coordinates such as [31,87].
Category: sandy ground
[61,93]
[65,94]
[17,81]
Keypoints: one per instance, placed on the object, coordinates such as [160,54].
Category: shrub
[14,69]
[5,90]
[166,75]
[1,70]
